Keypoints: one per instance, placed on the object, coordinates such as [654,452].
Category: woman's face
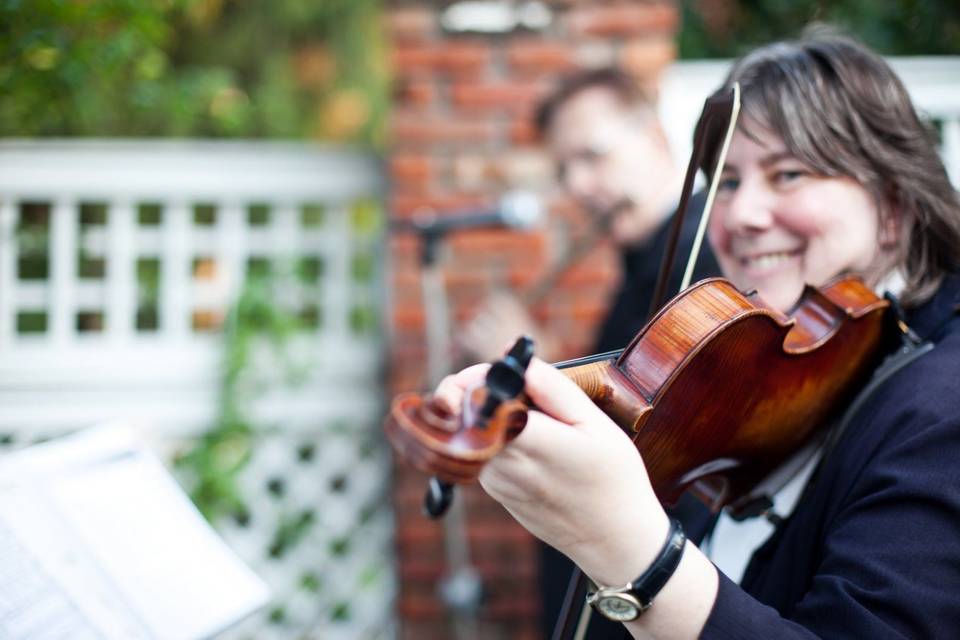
[776,225]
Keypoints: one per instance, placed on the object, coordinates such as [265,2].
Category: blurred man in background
[613,159]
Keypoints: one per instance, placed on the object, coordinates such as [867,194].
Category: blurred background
[201,208]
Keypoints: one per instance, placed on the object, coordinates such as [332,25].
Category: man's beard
[604,217]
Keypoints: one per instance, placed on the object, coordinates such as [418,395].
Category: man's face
[603,153]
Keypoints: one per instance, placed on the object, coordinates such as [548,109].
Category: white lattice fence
[118,262]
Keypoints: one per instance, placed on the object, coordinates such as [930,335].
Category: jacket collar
[928,319]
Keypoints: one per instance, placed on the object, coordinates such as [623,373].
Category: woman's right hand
[572,477]
[576,481]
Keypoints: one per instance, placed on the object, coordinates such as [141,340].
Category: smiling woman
[829,172]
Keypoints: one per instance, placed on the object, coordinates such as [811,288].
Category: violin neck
[597,357]
[610,390]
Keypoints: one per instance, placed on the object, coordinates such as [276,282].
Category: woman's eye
[728,184]
[788,175]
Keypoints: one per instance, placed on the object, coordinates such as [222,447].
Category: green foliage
[202,68]
[258,353]
[290,530]
[221,453]
[721,29]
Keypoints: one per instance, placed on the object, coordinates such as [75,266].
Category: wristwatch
[626,603]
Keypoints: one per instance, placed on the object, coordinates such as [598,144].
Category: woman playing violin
[829,172]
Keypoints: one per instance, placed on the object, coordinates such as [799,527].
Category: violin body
[716,390]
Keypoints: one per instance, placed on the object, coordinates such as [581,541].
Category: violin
[716,391]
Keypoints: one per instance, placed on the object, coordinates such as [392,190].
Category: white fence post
[120,300]
[8,265]
[337,265]
[231,248]
[175,273]
[61,292]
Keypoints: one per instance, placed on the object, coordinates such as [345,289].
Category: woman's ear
[889,231]
[890,222]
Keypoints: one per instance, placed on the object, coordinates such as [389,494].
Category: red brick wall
[461,134]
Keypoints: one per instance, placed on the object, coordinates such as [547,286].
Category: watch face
[618,607]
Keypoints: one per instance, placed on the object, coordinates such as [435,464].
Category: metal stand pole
[461,589]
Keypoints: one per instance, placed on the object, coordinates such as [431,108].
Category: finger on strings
[556,394]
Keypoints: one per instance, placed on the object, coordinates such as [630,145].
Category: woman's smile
[763,263]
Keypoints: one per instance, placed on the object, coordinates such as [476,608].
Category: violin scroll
[455,447]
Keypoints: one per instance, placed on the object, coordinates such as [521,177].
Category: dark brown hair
[621,85]
[841,110]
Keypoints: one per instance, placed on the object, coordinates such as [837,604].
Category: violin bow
[719,112]
[716,110]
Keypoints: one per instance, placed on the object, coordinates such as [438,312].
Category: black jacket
[872,550]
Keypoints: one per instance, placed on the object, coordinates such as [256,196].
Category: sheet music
[34,605]
[115,543]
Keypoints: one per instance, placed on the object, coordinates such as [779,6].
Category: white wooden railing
[85,337]
[72,349]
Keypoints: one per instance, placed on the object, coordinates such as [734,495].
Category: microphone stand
[461,590]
